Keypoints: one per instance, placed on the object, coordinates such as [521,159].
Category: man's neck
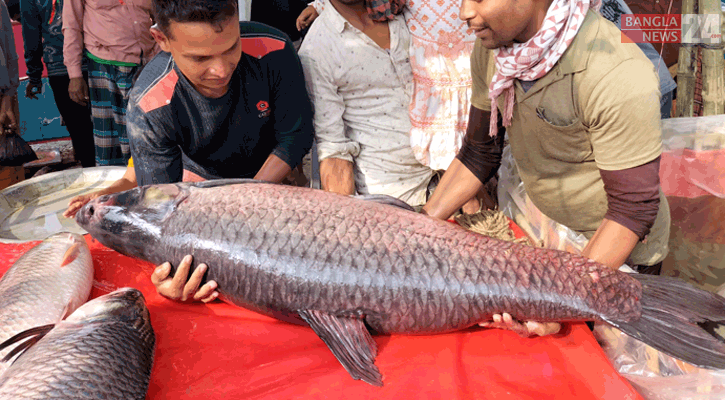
[537,21]
[355,14]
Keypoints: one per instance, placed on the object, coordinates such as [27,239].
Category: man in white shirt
[359,77]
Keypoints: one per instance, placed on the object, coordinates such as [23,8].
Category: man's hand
[337,176]
[77,202]
[33,90]
[8,114]
[177,288]
[78,91]
[525,329]
[306,18]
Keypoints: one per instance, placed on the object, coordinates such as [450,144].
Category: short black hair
[214,12]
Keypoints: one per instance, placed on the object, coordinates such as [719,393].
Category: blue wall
[41,118]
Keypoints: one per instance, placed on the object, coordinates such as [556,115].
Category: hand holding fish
[79,201]
[526,329]
[178,288]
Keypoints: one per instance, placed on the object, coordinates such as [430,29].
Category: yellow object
[130,162]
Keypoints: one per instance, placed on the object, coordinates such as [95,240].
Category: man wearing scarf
[581,110]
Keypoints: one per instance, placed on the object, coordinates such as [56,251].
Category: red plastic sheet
[690,173]
[218,351]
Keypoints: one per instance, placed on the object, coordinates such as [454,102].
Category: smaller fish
[104,350]
[44,285]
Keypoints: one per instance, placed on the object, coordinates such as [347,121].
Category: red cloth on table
[219,351]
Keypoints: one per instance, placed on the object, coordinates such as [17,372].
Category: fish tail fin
[34,335]
[680,320]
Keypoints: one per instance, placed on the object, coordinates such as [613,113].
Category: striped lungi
[109,86]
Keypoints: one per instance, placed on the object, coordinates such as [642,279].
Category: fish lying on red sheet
[104,350]
[45,285]
[345,265]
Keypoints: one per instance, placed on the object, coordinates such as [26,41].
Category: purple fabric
[481,153]
[633,196]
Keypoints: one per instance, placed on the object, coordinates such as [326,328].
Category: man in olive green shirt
[584,134]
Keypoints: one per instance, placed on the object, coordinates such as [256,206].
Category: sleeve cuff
[344,151]
[284,156]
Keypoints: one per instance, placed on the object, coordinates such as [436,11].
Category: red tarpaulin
[218,351]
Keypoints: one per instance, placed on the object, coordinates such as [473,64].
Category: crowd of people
[413,100]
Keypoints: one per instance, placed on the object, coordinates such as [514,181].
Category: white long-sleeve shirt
[361,94]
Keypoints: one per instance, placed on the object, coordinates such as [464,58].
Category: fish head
[131,222]
[125,304]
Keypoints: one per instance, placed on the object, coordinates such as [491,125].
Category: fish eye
[90,210]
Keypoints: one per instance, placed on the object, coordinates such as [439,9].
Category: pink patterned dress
[440,55]
[440,52]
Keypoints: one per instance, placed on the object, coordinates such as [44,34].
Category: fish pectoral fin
[349,340]
[71,254]
[385,199]
[35,334]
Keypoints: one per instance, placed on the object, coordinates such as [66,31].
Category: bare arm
[476,162]
[456,187]
[273,170]
[611,244]
[336,176]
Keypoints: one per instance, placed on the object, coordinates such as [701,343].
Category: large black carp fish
[344,265]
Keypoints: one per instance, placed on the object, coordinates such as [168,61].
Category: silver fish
[104,350]
[344,265]
[44,285]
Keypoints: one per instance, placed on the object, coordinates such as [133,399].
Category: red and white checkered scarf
[535,58]
[384,10]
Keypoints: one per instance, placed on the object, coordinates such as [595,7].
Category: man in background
[43,41]
[359,77]
[9,78]
[115,37]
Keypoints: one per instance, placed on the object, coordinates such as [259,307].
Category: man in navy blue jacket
[223,99]
[43,42]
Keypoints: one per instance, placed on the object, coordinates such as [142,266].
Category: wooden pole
[713,67]
[686,69]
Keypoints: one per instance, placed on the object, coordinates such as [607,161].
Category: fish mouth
[84,214]
[126,304]
[128,296]
[93,209]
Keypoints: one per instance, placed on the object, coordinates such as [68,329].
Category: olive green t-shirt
[598,108]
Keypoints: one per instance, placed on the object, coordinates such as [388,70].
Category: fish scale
[343,264]
[336,250]
[88,356]
[37,291]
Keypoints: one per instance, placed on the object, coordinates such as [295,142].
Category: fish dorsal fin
[222,182]
[385,199]
[349,340]
[35,334]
